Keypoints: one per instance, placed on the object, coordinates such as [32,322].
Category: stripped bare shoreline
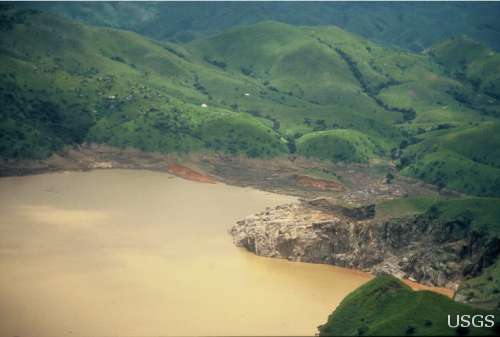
[350,183]
[200,167]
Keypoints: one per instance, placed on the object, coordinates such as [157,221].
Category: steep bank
[426,248]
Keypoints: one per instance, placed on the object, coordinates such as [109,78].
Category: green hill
[351,80]
[63,82]
[387,307]
[470,61]
[338,145]
[298,77]
[463,159]
[124,83]
[260,90]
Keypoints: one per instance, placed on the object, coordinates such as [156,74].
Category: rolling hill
[261,90]
[338,145]
[111,86]
[462,159]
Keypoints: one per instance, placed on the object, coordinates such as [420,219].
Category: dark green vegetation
[409,25]
[263,90]
[34,126]
[387,307]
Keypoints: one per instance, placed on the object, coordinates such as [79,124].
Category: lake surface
[140,253]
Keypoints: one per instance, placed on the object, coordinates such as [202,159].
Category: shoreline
[350,183]
[102,157]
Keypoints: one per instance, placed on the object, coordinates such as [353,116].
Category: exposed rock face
[415,247]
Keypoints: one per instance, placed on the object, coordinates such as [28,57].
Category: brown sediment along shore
[357,184]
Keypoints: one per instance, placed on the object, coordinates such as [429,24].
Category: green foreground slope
[387,307]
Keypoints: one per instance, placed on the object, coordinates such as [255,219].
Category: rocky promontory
[430,251]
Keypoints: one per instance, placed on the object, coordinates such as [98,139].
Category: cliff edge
[421,247]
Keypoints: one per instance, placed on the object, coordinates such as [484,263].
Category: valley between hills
[395,154]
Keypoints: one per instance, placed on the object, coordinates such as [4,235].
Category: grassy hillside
[124,83]
[63,83]
[463,159]
[387,307]
[348,81]
[370,89]
[470,61]
[338,145]
[259,90]
[304,84]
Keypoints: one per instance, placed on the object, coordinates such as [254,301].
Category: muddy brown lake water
[140,253]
